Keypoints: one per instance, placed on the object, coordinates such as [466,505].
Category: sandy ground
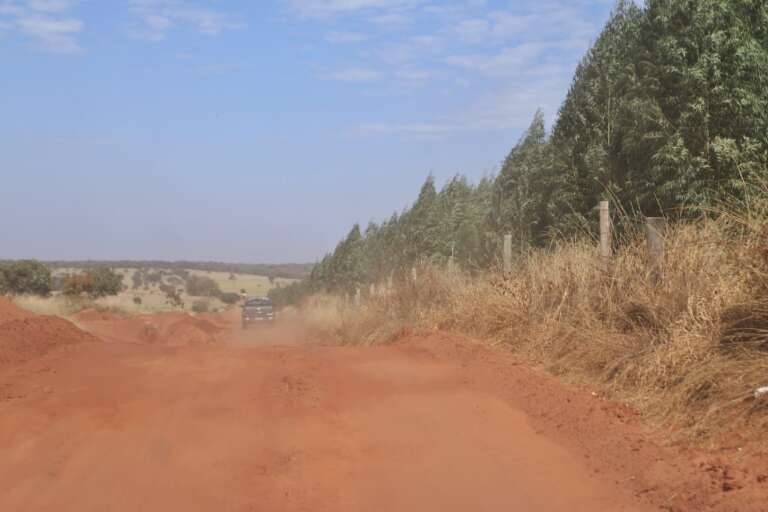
[264,421]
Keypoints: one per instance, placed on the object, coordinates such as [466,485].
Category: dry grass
[688,353]
[254,285]
[60,305]
[148,299]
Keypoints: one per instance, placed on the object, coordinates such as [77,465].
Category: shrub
[153,277]
[94,283]
[175,280]
[26,277]
[57,282]
[172,296]
[106,282]
[78,284]
[202,286]
[200,306]
[229,298]
[137,279]
[3,282]
[137,301]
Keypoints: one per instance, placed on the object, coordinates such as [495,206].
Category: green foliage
[667,110]
[202,286]
[95,283]
[200,306]
[25,277]
[3,281]
[172,296]
[105,282]
[520,192]
[290,294]
[229,298]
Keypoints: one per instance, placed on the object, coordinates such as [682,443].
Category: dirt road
[254,424]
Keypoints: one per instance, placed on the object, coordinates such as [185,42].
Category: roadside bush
[137,301]
[229,298]
[76,285]
[175,280]
[57,282]
[95,283]
[153,277]
[3,282]
[26,277]
[202,286]
[106,282]
[137,279]
[200,306]
[172,296]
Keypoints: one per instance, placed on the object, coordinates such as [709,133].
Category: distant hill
[284,270]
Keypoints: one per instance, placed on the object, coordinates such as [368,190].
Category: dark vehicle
[257,311]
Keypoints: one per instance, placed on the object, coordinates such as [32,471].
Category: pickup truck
[257,310]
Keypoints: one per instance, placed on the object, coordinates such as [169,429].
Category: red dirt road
[250,423]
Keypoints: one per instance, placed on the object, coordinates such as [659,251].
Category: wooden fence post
[605,236]
[654,227]
[357,298]
[452,261]
[507,254]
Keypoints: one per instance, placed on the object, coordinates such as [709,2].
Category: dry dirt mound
[93,315]
[10,311]
[165,328]
[183,329]
[26,338]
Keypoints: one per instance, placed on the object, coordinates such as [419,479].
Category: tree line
[667,110]
[271,270]
[31,277]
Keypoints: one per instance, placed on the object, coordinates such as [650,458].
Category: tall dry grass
[688,352]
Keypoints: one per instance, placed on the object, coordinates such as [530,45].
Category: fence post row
[605,236]
[654,227]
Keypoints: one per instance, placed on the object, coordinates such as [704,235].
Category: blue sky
[258,131]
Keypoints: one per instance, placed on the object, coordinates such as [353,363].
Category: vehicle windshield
[258,302]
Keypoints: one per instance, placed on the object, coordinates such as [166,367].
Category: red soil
[24,336]
[432,422]
[164,328]
[10,311]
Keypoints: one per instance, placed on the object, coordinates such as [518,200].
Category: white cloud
[159,16]
[48,24]
[391,20]
[50,5]
[346,37]
[359,75]
[419,129]
[414,76]
[509,60]
[508,108]
[324,8]
[548,20]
